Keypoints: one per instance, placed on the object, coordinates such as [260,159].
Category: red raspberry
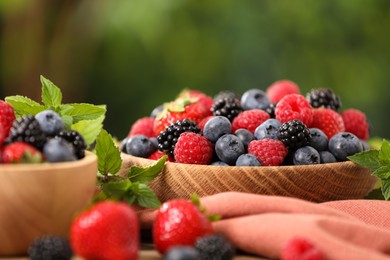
[20,152]
[193,148]
[249,119]
[158,154]
[7,117]
[302,249]
[281,88]
[143,126]
[355,122]
[328,120]
[204,121]
[294,106]
[270,152]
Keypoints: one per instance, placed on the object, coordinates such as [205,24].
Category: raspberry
[193,148]
[281,88]
[7,116]
[323,97]
[301,248]
[249,119]
[158,154]
[143,126]
[292,107]
[328,120]
[355,122]
[270,152]
[294,134]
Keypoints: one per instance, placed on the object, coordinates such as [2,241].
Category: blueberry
[319,140]
[245,136]
[51,123]
[59,150]
[306,155]
[182,253]
[344,144]
[154,141]
[365,145]
[156,111]
[255,99]
[228,148]
[268,129]
[140,146]
[327,157]
[217,127]
[219,163]
[247,159]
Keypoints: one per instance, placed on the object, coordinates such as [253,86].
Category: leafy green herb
[378,161]
[109,161]
[51,94]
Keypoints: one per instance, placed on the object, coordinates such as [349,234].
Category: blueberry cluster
[45,131]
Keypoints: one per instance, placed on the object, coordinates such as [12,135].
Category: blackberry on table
[294,134]
[226,94]
[50,248]
[168,137]
[27,129]
[77,140]
[324,97]
[227,107]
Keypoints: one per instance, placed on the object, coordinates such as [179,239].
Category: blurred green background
[136,54]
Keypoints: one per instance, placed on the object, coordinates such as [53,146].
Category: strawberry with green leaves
[21,152]
[179,222]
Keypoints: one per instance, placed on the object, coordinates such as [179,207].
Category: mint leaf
[24,105]
[146,197]
[384,153]
[116,189]
[383,172]
[89,129]
[368,159]
[51,94]
[68,121]
[146,174]
[386,188]
[83,111]
[109,159]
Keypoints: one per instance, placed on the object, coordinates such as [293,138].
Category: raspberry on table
[301,248]
[249,119]
[324,97]
[294,106]
[294,134]
[270,152]
[277,90]
[355,122]
[143,126]
[192,148]
[328,120]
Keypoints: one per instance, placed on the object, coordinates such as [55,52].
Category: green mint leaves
[51,94]
[131,188]
[378,161]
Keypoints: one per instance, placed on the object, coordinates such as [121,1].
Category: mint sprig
[378,161]
[132,188]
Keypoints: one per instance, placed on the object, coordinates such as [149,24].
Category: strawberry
[281,88]
[355,122]
[143,126]
[328,120]
[179,222]
[7,116]
[108,230]
[21,152]
[194,106]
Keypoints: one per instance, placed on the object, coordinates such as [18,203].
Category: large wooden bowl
[317,183]
[39,199]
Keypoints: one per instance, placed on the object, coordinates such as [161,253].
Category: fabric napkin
[262,224]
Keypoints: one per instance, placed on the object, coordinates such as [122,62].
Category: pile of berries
[37,138]
[278,126]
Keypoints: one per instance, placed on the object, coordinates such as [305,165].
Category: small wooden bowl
[42,199]
[317,183]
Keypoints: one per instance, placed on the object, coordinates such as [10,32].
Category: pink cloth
[261,225]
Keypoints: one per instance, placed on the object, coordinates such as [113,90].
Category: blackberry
[76,139]
[294,134]
[227,107]
[214,247]
[50,248]
[226,94]
[168,137]
[27,129]
[323,97]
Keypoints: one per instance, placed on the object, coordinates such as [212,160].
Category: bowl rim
[89,158]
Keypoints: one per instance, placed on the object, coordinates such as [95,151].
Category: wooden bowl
[39,199]
[317,183]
